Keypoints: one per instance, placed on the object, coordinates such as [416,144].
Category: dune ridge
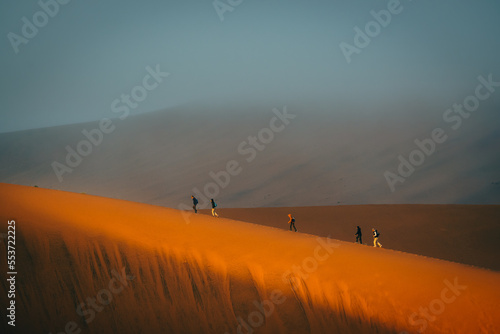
[466,234]
[203,275]
[324,156]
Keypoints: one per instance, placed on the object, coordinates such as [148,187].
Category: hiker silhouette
[292,222]
[358,235]
[195,203]
[214,205]
[376,235]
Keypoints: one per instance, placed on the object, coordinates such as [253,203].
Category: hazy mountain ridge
[321,157]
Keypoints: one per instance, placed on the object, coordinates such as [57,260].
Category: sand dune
[197,274]
[322,157]
[466,234]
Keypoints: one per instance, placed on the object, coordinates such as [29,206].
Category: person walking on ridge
[358,235]
[376,235]
[195,203]
[292,222]
[214,205]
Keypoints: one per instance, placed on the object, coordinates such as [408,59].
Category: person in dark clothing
[214,205]
[358,235]
[292,222]
[195,203]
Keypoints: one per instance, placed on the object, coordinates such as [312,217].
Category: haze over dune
[314,156]
[186,273]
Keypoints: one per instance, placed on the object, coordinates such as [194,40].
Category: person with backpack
[292,222]
[376,235]
[195,203]
[214,205]
[358,235]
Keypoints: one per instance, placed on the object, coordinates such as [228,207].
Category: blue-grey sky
[89,53]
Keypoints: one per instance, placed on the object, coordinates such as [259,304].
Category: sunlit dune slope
[187,273]
[466,234]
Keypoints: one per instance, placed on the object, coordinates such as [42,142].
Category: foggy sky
[88,54]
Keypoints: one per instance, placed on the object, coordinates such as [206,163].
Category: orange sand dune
[187,273]
[466,234]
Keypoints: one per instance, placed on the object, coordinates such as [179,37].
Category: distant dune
[321,157]
[136,268]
